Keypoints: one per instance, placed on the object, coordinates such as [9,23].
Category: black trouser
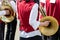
[54,37]
[32,38]
[11,29]
[2,27]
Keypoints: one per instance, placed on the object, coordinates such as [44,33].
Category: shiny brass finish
[6,6]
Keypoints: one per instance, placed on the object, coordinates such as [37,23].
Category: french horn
[6,6]
[52,28]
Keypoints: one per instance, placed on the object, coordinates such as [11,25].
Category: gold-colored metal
[6,6]
[53,26]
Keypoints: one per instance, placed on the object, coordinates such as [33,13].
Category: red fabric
[30,0]
[53,9]
[40,16]
[43,4]
[24,10]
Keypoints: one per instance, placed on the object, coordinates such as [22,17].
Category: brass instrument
[6,6]
[52,28]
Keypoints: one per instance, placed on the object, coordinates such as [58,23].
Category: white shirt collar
[43,1]
[52,1]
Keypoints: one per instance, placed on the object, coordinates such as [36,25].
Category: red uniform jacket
[53,9]
[24,10]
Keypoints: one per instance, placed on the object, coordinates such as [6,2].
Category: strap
[41,9]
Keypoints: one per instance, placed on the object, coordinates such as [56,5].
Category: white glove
[3,12]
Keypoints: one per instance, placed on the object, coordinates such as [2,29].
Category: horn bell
[51,29]
[10,17]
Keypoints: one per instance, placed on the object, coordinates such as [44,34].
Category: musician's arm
[33,17]
[14,6]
